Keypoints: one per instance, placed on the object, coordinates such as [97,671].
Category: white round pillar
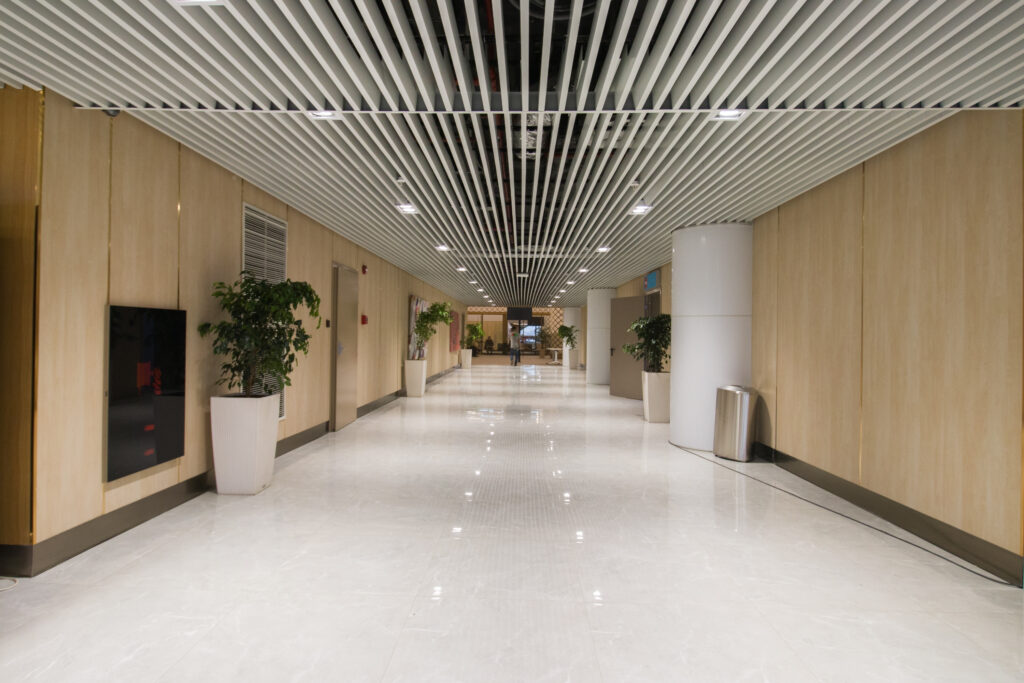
[712,291]
[599,335]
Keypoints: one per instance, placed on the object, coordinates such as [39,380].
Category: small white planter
[656,396]
[466,358]
[571,358]
[415,377]
[244,442]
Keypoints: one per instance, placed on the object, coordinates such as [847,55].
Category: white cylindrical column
[712,291]
[599,335]
[570,317]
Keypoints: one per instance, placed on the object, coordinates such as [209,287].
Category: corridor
[515,524]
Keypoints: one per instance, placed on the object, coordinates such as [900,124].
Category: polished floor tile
[514,524]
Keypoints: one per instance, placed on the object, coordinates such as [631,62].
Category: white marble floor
[513,525]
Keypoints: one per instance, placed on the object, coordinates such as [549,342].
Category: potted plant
[425,328]
[653,338]
[259,340]
[474,333]
[570,356]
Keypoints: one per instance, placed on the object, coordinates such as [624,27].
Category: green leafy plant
[474,333]
[428,320]
[568,335]
[261,336]
[653,338]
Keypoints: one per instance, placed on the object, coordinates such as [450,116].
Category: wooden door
[344,337]
[626,380]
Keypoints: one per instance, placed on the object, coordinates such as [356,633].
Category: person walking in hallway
[513,338]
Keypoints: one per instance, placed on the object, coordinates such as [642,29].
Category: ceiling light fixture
[641,209]
[584,270]
[442,247]
[406,207]
[522,275]
[472,282]
[320,113]
[728,115]
[480,290]
[461,269]
[562,291]
[603,250]
[570,282]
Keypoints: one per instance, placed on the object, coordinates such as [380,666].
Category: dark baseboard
[998,561]
[290,443]
[29,560]
[379,403]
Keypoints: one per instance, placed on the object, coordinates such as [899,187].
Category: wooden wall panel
[20,131]
[143,216]
[819,300]
[72,298]
[211,250]
[309,259]
[264,201]
[764,327]
[943,306]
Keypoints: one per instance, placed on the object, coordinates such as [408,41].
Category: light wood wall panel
[20,134]
[819,303]
[211,251]
[143,216]
[943,324]
[635,287]
[764,323]
[72,296]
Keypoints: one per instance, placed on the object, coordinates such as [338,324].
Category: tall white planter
[466,358]
[415,377]
[244,442]
[571,358]
[657,388]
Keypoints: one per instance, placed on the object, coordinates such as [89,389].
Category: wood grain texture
[764,323]
[943,306]
[143,216]
[72,299]
[20,130]
[819,304]
[211,251]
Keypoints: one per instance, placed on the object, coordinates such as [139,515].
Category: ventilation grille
[265,256]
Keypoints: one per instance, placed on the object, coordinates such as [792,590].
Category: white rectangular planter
[657,390]
[466,358]
[571,358]
[244,442]
[415,377]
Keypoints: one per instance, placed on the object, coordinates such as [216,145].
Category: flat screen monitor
[521,313]
[146,389]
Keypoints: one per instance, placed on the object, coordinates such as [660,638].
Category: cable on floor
[14,582]
[714,460]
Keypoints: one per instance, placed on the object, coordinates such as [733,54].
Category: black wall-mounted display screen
[522,313]
[146,389]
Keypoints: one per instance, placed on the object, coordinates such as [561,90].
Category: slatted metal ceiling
[525,131]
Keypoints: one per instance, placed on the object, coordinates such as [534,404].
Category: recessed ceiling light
[640,209]
[558,297]
[461,269]
[522,275]
[570,282]
[406,207]
[604,250]
[472,282]
[480,290]
[728,115]
[320,113]
[442,247]
[583,270]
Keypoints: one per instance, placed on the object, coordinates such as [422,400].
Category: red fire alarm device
[363,318]
[364,269]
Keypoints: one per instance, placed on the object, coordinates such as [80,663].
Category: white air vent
[265,256]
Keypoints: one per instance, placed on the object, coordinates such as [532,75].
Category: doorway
[344,344]
[626,377]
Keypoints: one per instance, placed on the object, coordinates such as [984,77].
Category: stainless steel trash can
[734,423]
